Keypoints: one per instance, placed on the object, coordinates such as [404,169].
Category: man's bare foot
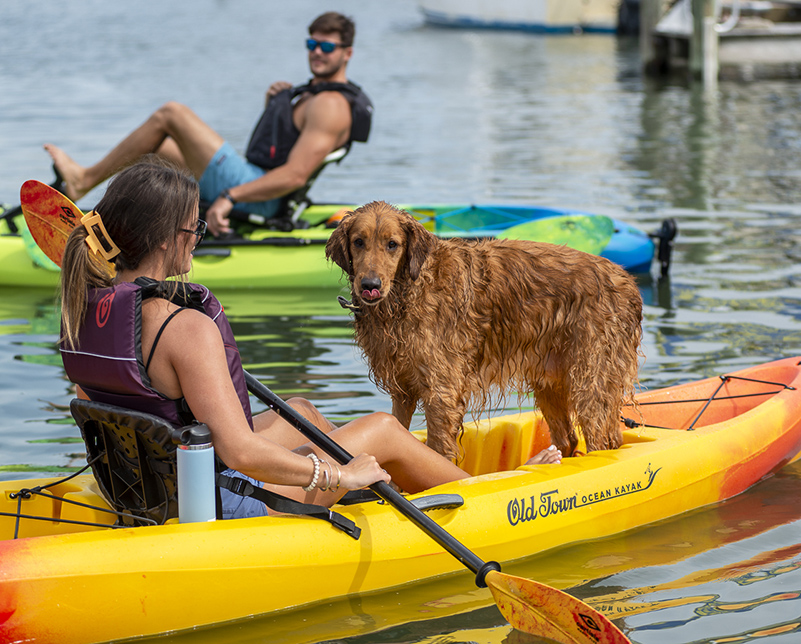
[72,173]
[551,455]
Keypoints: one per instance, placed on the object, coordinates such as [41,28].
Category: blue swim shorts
[226,170]
[240,507]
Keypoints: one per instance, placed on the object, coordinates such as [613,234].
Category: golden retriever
[454,323]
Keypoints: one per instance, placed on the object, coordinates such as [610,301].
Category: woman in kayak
[132,339]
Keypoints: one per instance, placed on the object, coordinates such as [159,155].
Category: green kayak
[295,258]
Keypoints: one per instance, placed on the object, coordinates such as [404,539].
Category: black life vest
[275,134]
[108,362]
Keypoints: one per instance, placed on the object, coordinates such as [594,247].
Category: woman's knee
[301,405]
[385,425]
[310,413]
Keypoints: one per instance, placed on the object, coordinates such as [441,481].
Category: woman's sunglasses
[325,46]
[199,231]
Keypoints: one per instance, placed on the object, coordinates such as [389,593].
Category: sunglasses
[325,46]
[199,231]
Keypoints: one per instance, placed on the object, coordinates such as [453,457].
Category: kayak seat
[292,205]
[132,455]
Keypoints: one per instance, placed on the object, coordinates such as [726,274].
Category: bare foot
[72,173]
[551,455]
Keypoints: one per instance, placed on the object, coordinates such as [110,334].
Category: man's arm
[326,127]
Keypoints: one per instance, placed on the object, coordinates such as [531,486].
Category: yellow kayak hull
[62,582]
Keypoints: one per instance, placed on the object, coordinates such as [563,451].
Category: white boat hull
[527,15]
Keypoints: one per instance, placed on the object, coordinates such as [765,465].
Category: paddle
[50,217]
[527,605]
[32,247]
[11,213]
[588,233]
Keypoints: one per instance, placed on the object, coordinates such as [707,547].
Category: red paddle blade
[549,613]
[50,217]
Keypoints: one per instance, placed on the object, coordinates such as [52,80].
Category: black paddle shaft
[386,492]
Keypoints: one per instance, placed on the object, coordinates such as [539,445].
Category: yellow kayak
[685,447]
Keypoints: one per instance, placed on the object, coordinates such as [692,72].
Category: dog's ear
[337,248]
[419,243]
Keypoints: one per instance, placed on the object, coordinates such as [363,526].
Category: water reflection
[712,151]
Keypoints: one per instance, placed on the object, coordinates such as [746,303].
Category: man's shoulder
[327,104]
[340,100]
[360,103]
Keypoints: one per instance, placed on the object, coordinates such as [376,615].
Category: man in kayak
[298,129]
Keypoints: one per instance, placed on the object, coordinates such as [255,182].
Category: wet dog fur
[454,323]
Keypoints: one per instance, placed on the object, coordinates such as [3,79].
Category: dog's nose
[371,283]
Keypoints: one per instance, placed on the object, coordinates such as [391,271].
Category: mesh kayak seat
[132,455]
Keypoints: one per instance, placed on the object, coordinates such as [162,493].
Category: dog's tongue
[371,295]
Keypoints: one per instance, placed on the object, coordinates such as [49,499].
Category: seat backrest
[133,459]
[293,204]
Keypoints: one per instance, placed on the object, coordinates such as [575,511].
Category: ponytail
[81,270]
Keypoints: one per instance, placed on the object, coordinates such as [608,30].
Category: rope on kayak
[631,424]
[28,493]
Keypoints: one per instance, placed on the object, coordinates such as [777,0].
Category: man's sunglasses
[325,46]
[199,231]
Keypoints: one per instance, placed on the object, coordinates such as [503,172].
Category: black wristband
[225,194]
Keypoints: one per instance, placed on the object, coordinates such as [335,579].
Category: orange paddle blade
[50,217]
[546,612]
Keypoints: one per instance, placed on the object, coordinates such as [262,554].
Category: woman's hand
[362,471]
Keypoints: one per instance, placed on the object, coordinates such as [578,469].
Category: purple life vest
[108,363]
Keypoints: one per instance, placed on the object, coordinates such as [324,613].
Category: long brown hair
[144,206]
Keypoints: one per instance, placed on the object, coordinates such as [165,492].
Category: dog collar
[347,304]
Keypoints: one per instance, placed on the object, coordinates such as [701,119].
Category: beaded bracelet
[311,486]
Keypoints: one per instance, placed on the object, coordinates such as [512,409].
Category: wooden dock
[745,40]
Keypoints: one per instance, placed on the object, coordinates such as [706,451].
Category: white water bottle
[197,500]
